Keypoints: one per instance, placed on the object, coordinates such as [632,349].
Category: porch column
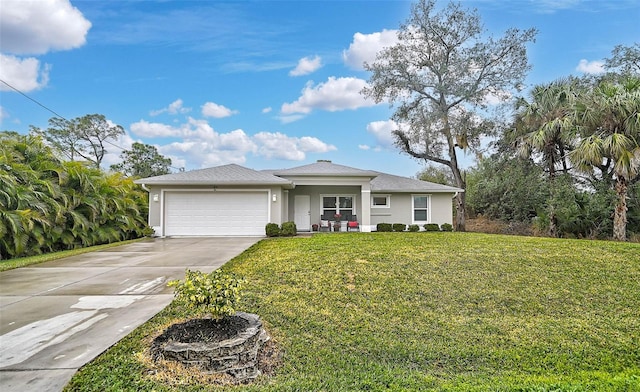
[285,206]
[365,219]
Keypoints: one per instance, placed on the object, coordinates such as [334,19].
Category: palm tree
[543,127]
[608,120]
[27,194]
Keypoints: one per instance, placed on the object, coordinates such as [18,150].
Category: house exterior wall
[441,208]
[400,209]
[283,209]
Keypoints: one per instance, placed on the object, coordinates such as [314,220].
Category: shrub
[399,227]
[288,229]
[384,227]
[414,228]
[272,230]
[216,293]
[446,227]
[431,227]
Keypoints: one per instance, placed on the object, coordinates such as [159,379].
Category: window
[421,208]
[380,201]
[343,205]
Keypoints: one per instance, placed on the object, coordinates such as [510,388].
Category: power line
[50,110]
[31,99]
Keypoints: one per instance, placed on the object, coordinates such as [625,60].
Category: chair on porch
[352,223]
[325,222]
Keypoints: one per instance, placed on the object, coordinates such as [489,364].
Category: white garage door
[215,213]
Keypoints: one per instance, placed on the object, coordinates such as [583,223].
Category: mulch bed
[203,330]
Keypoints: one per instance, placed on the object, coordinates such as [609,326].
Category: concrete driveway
[57,316]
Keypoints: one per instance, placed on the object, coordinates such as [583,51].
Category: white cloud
[364,147]
[315,145]
[290,119]
[334,95]
[551,6]
[382,132]
[200,145]
[146,129]
[280,146]
[211,109]
[196,154]
[267,110]
[590,67]
[365,47]
[3,114]
[38,26]
[174,107]
[23,74]
[306,65]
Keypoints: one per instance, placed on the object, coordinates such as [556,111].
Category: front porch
[310,205]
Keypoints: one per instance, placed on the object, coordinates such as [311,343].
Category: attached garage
[215,213]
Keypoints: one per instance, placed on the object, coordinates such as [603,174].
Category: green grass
[6,265]
[427,311]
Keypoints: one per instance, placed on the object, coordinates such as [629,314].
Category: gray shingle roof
[389,183]
[220,175]
[233,174]
[324,168]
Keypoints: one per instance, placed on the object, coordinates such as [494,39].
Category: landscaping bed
[422,311]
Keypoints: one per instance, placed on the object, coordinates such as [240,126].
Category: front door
[302,212]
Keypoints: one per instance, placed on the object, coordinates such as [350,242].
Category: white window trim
[413,196]
[387,196]
[322,196]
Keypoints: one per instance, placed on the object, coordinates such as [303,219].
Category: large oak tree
[441,75]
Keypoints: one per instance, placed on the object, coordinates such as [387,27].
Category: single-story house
[235,200]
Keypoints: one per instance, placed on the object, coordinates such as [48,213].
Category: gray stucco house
[235,200]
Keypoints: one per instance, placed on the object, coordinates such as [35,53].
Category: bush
[431,227]
[216,293]
[272,230]
[384,227]
[446,227]
[106,207]
[414,228]
[399,227]
[288,229]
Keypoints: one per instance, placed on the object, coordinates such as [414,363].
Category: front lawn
[426,311]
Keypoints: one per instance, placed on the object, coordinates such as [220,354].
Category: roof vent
[324,160]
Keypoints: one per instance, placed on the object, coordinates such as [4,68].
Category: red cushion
[353,224]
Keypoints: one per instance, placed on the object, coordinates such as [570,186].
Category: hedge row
[48,205]
[388,227]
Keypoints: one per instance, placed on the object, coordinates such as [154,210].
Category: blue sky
[264,84]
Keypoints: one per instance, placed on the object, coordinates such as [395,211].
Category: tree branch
[405,144]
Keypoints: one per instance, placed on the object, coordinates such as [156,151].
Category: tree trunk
[620,211]
[460,224]
[553,218]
